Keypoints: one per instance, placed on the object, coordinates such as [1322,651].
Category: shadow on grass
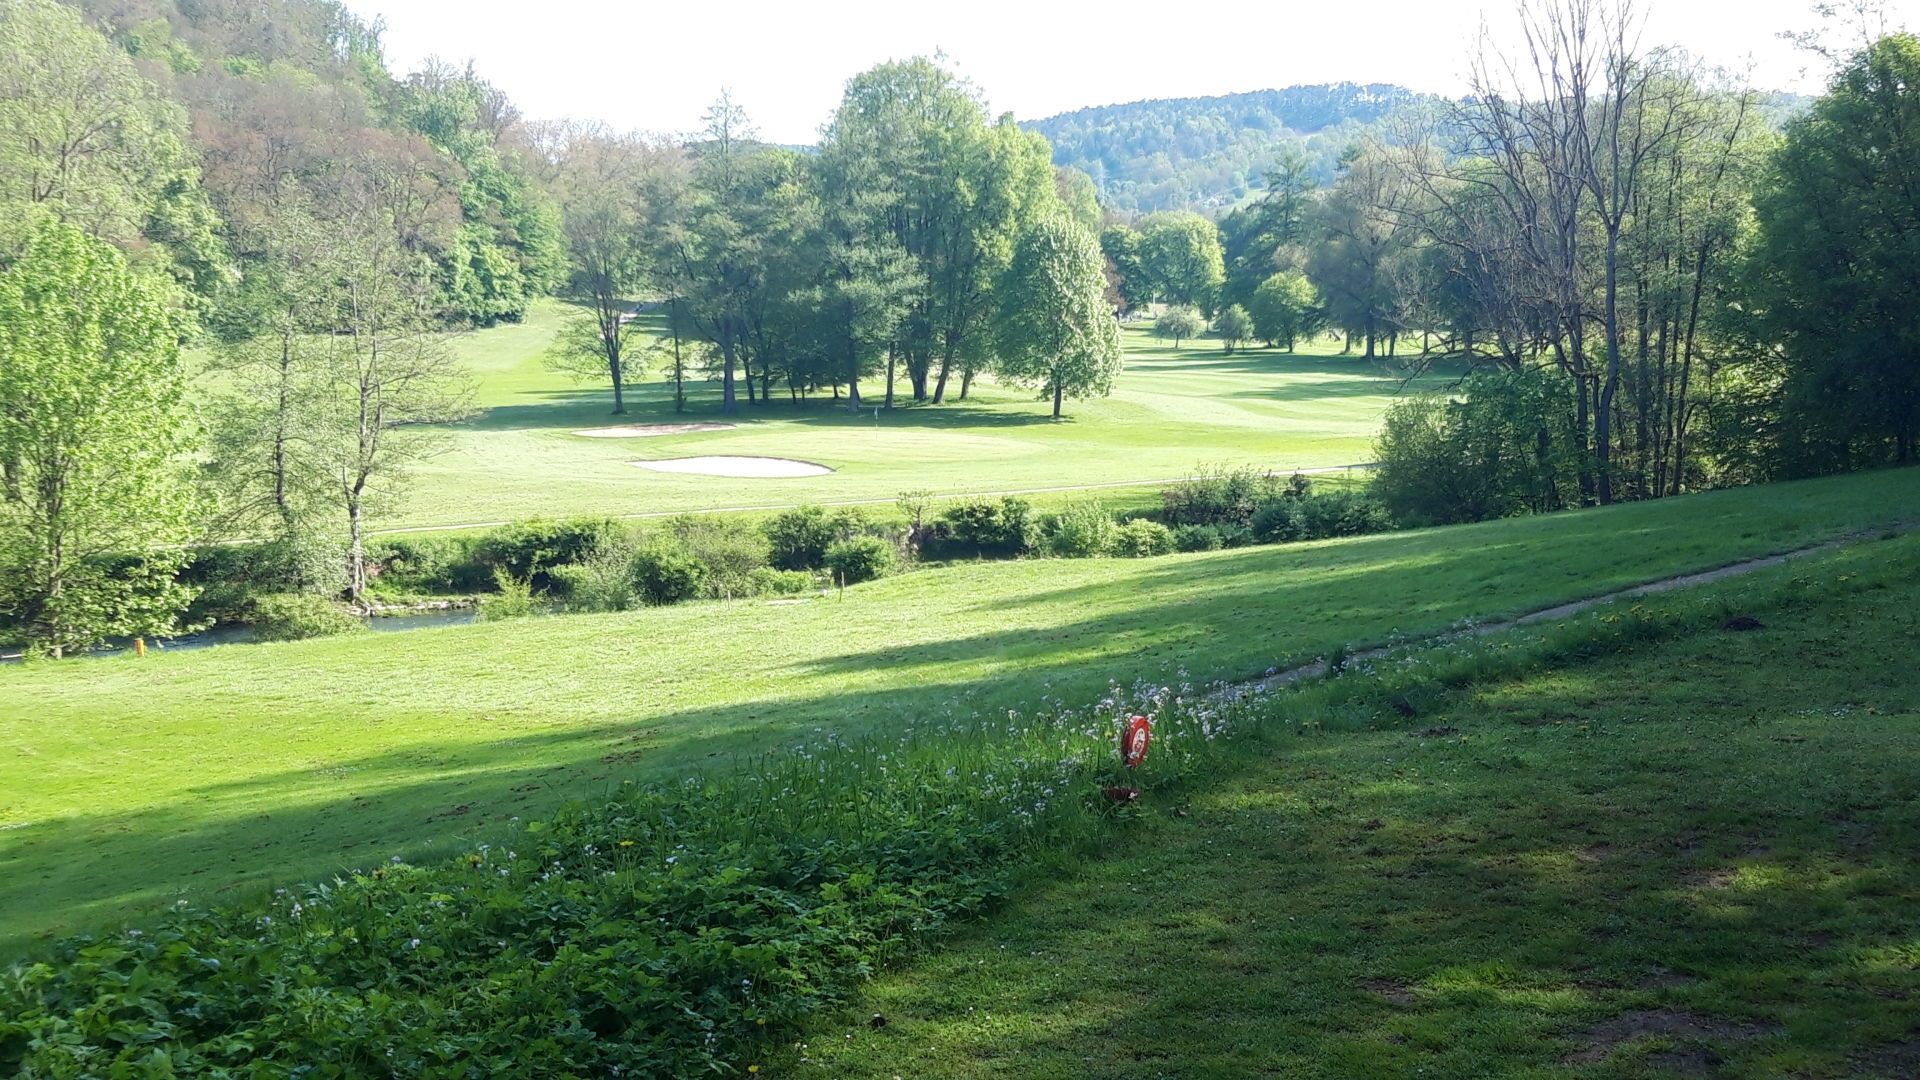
[1669,862]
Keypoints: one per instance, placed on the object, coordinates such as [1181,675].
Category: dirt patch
[753,467]
[1895,1059]
[1742,622]
[646,431]
[1604,1038]
[1389,991]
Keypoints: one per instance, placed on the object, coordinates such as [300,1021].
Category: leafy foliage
[96,503]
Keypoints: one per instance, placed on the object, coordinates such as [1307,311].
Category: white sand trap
[736,466]
[643,431]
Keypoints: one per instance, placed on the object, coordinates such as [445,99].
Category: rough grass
[127,782]
[1689,858]
[1171,412]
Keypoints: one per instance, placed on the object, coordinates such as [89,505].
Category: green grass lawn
[1686,859]
[1171,412]
[126,782]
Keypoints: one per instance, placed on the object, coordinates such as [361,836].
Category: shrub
[229,577]
[433,564]
[530,549]
[297,616]
[1345,513]
[861,558]
[1141,538]
[1198,538]
[1318,517]
[512,598]
[602,581]
[798,539]
[766,581]
[665,572]
[1218,496]
[1082,531]
[1508,447]
[730,550]
[988,526]
[1280,521]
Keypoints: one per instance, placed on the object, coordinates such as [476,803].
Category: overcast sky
[655,66]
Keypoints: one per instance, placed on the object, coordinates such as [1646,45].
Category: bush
[798,539]
[1318,517]
[731,551]
[1218,496]
[432,564]
[1508,447]
[512,598]
[529,550]
[1198,538]
[861,558]
[1082,531]
[1140,538]
[1002,527]
[665,572]
[1280,521]
[766,581]
[298,616]
[229,577]
[1345,513]
[602,581]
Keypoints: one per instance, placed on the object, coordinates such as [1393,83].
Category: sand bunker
[736,466]
[642,431]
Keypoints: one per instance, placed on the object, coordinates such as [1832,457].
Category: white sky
[655,66]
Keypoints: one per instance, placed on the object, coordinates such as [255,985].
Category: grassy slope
[1171,412]
[1691,859]
[126,781]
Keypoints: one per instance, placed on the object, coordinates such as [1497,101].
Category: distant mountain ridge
[1207,153]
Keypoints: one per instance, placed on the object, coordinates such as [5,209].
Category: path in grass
[1568,610]
[1690,859]
[125,782]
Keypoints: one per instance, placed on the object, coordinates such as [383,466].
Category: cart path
[1567,610]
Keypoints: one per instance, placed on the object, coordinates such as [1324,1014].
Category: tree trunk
[1056,397]
[613,369]
[356,550]
[891,361]
[1603,413]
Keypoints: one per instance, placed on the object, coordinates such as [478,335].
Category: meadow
[1688,856]
[1172,410]
[210,774]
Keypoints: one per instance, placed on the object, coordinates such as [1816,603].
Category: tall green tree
[1180,255]
[389,378]
[602,179]
[95,497]
[1836,265]
[1284,309]
[1056,331]
[1234,326]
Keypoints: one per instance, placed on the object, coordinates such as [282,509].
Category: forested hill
[1202,152]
